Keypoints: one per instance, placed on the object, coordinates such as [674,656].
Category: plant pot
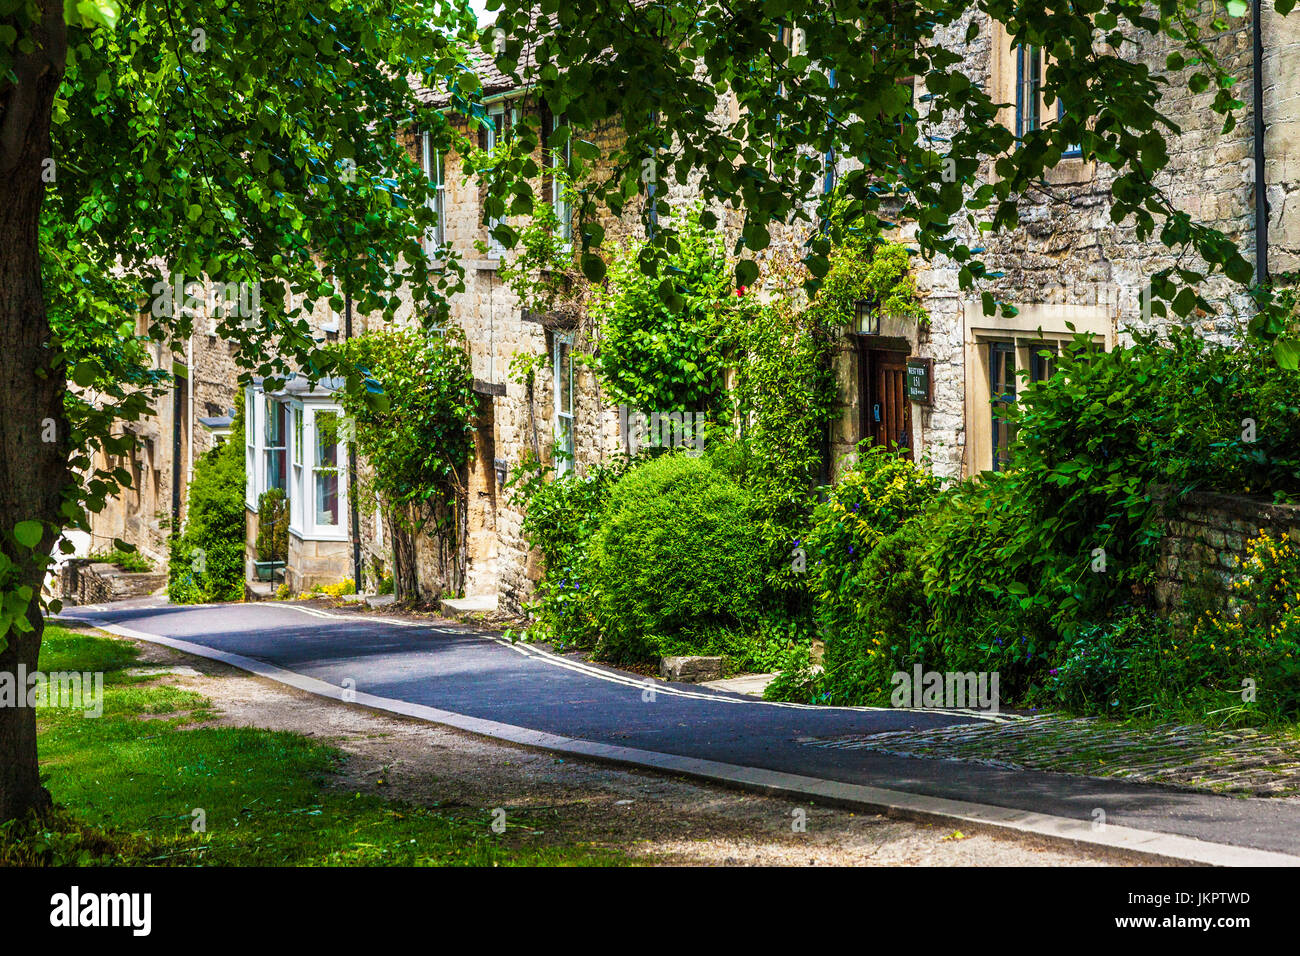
[265,570]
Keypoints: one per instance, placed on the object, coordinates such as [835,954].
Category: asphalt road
[467,671]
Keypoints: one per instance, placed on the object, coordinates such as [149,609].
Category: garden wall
[82,581]
[1207,534]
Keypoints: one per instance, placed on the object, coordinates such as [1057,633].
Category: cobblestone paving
[1244,762]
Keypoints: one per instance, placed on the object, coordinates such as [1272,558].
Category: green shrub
[1043,572]
[273,525]
[1113,667]
[129,561]
[673,565]
[797,680]
[667,352]
[868,503]
[865,543]
[561,516]
[877,623]
[1253,643]
[1044,553]
[206,562]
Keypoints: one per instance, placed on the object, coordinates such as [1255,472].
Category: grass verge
[133,786]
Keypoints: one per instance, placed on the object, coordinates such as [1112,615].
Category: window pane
[275,468]
[327,498]
[564,445]
[564,366]
[327,439]
[250,417]
[1042,362]
[1002,388]
[560,158]
[439,233]
[325,473]
[1029,64]
[274,423]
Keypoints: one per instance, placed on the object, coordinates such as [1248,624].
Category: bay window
[294,441]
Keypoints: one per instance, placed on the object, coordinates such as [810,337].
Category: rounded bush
[677,563]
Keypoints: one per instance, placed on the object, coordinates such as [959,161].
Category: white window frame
[431,163]
[268,403]
[495,249]
[297,454]
[561,158]
[563,421]
[310,528]
[252,447]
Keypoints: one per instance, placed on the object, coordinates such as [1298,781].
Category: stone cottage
[939,391]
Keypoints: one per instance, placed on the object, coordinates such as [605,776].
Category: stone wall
[82,581]
[1206,536]
[1067,251]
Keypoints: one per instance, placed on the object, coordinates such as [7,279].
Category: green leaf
[593,266]
[746,272]
[90,13]
[1287,353]
[85,373]
[29,533]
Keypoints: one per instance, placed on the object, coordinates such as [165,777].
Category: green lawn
[127,784]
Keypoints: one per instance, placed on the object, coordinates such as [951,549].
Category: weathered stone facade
[142,513]
[1067,263]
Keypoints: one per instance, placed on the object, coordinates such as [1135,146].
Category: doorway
[886,411]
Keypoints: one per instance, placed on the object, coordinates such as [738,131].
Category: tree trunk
[33,472]
[405,578]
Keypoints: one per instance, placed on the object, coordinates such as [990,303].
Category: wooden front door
[886,410]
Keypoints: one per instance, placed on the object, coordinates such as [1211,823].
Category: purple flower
[1052,672]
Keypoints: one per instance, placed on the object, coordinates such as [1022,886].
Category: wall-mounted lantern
[866,320]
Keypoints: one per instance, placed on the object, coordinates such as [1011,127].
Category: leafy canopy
[659,72]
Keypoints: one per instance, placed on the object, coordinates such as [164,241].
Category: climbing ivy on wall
[419,439]
[664,341]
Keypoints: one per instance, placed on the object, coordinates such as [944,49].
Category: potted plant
[272,534]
